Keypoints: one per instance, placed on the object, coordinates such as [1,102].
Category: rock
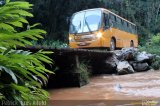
[112,61]
[144,57]
[110,64]
[157,56]
[118,53]
[127,60]
[151,70]
[139,67]
[124,67]
[126,53]
[131,62]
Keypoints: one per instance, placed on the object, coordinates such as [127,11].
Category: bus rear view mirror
[68,20]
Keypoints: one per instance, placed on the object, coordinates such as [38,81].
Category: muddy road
[137,86]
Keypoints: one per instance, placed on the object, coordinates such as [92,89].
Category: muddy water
[138,86]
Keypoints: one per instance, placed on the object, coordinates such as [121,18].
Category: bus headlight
[99,35]
[71,39]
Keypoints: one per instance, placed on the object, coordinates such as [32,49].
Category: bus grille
[83,38]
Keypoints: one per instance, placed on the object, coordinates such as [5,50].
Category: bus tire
[112,44]
[131,43]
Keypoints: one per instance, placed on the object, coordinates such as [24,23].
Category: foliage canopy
[54,13]
[22,73]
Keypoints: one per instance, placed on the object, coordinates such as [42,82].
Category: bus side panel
[106,38]
[123,39]
[119,36]
[135,39]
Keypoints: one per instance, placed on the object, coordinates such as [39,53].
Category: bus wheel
[131,44]
[112,45]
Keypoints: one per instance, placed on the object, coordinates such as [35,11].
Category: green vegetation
[156,63]
[84,74]
[54,13]
[50,43]
[153,46]
[22,73]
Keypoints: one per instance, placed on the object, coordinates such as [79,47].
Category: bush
[156,63]
[153,46]
[82,69]
[22,73]
[51,43]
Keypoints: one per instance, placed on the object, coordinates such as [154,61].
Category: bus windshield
[85,21]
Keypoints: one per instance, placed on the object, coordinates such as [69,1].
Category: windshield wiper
[87,26]
[79,26]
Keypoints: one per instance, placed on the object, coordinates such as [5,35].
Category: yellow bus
[101,28]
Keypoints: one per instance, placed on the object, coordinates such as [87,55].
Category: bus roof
[103,9]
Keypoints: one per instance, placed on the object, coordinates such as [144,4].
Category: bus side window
[118,23]
[129,28]
[110,23]
[118,20]
[111,20]
[115,22]
[135,29]
[125,26]
[112,17]
[106,20]
[122,25]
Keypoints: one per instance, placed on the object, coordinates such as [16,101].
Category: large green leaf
[1,96]
[10,72]
[7,1]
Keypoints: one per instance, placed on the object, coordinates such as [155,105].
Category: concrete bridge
[74,64]
[67,61]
